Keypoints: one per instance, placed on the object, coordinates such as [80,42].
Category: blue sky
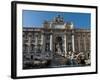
[36,18]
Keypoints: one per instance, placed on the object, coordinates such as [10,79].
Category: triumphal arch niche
[61,35]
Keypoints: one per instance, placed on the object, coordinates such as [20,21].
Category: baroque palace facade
[54,37]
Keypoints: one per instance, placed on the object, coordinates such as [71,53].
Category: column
[51,42]
[79,43]
[28,48]
[65,47]
[36,43]
[73,46]
[84,44]
[65,42]
[28,45]
[50,25]
[43,43]
[42,39]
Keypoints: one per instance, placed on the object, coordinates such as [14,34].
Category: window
[39,36]
[25,47]
[32,47]
[47,47]
[39,48]
[29,34]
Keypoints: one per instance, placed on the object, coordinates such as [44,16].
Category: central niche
[58,44]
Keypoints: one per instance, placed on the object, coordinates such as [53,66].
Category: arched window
[24,35]
[32,47]
[25,47]
[29,34]
[39,48]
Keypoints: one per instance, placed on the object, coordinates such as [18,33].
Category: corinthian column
[29,44]
[43,43]
[79,43]
[73,46]
[50,42]
[84,44]
[65,42]
[65,46]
